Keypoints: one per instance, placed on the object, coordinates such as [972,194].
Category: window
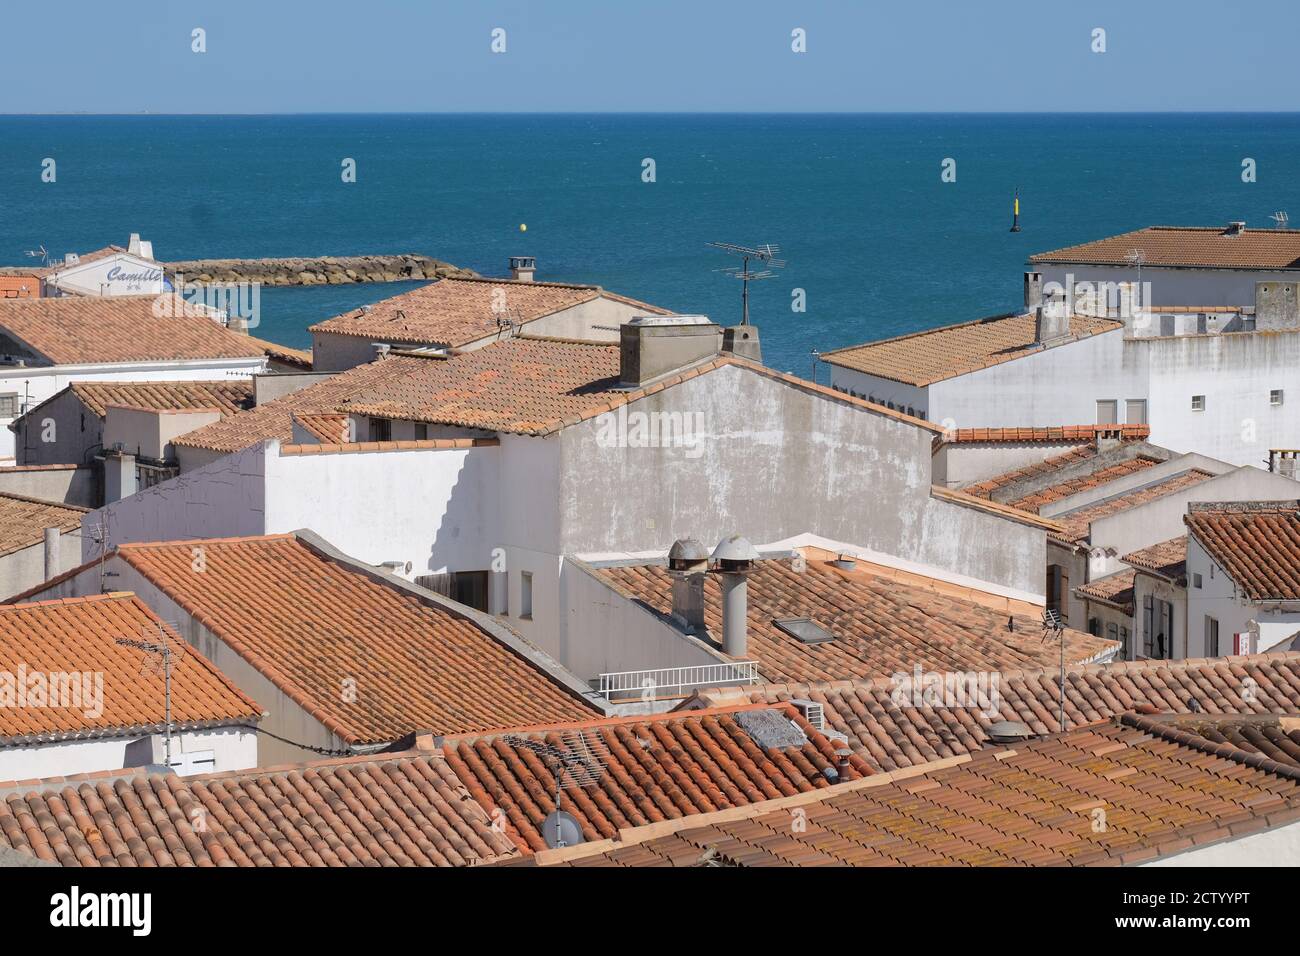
[1112,632]
[421,431]
[1198,403]
[1107,411]
[1157,628]
[526,595]
[1211,637]
[381,429]
[1135,411]
[1058,590]
[1094,626]
[1275,397]
[1123,639]
[9,405]
[471,588]
[1196,579]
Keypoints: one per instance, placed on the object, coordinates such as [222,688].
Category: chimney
[1051,322]
[53,562]
[652,346]
[1276,305]
[522,268]
[1033,290]
[119,475]
[237,323]
[733,562]
[381,350]
[742,341]
[687,563]
[1235,228]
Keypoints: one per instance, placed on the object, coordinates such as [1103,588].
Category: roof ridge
[615,721]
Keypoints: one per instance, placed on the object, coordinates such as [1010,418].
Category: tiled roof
[1115,589]
[1078,523]
[1053,434]
[329,428]
[78,635]
[650,769]
[1271,738]
[1110,794]
[73,330]
[536,386]
[402,810]
[300,358]
[1206,247]
[960,497]
[23,520]
[923,358]
[1072,486]
[227,397]
[1167,559]
[988,487]
[274,419]
[455,312]
[881,625]
[308,623]
[1256,542]
[890,733]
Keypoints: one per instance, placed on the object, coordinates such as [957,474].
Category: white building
[75,699]
[47,344]
[109,271]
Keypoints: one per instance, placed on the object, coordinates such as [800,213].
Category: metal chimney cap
[1008,732]
[687,551]
[735,548]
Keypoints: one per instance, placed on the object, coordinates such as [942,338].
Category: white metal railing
[675,681]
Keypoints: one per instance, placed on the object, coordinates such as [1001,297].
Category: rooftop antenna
[162,648]
[1053,626]
[765,254]
[40,254]
[1137,257]
[577,761]
[1015,212]
[1280,219]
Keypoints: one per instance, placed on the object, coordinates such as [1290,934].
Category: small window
[526,595]
[1107,411]
[1198,403]
[1275,397]
[1196,579]
[381,429]
[421,431]
[1135,411]
[1112,632]
[1211,637]
[9,405]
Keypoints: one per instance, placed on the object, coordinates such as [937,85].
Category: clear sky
[269,56]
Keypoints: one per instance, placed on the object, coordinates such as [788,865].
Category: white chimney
[522,268]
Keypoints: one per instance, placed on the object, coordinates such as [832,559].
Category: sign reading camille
[132,279]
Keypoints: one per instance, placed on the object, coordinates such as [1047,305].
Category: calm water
[879,244]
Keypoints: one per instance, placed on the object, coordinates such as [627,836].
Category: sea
[886,223]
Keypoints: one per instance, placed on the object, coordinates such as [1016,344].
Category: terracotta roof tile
[77,635]
[1206,247]
[1102,476]
[1078,523]
[933,355]
[456,312]
[1052,434]
[308,623]
[1257,543]
[403,810]
[227,397]
[73,330]
[882,625]
[1035,806]
[23,521]
[1271,737]
[650,769]
[1167,559]
[1114,589]
[300,358]
[891,735]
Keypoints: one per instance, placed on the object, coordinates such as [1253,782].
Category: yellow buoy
[523,227]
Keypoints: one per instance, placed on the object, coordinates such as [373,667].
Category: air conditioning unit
[812,712]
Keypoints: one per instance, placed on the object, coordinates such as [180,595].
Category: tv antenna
[161,648]
[1137,257]
[40,254]
[1280,219]
[577,761]
[765,255]
[1053,626]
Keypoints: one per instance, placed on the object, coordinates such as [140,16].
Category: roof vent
[687,554]
[1008,732]
[1235,228]
[734,554]
[687,562]
[733,560]
[812,712]
[771,729]
[845,562]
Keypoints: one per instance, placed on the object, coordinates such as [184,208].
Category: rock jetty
[324,270]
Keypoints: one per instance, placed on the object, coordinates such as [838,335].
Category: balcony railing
[676,681]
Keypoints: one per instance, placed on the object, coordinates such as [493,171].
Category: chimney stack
[522,268]
[1051,322]
[53,559]
[651,346]
[687,563]
[742,341]
[1033,290]
[1235,228]
[733,562]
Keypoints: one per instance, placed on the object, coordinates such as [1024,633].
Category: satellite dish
[561,829]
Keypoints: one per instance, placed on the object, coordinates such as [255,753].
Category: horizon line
[935,112]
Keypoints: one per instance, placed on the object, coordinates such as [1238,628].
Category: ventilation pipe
[733,562]
[687,563]
[52,562]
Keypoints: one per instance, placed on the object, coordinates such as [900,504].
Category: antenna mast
[579,763]
[765,254]
[162,648]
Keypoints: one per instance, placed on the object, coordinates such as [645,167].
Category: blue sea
[877,242]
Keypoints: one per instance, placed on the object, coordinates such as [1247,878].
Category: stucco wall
[233,750]
[20,570]
[1279,846]
[70,486]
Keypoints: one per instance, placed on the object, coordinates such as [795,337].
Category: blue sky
[269,56]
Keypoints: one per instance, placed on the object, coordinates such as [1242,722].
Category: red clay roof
[1052,434]
[652,768]
[1271,738]
[923,358]
[1206,247]
[881,625]
[456,312]
[94,330]
[23,520]
[298,358]
[1114,589]
[1256,542]
[1116,793]
[77,635]
[890,734]
[402,810]
[1078,524]
[309,623]
[1072,486]
[227,397]
[274,419]
[1167,559]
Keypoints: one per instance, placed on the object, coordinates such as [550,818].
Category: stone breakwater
[324,270]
